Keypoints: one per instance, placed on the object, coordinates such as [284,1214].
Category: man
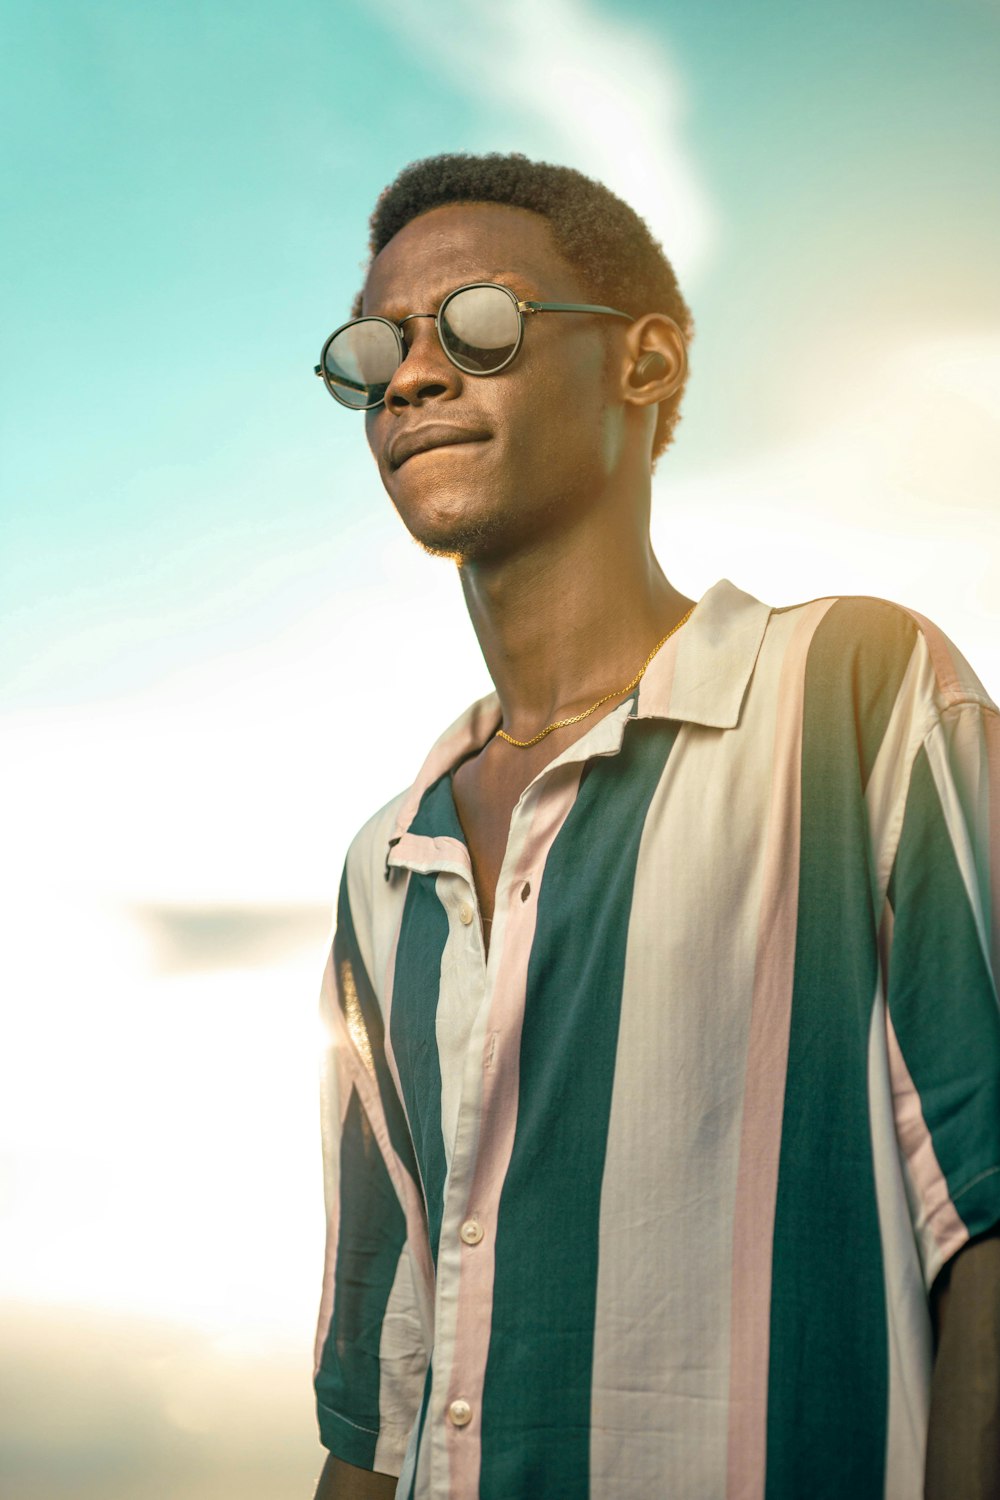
[662,1109]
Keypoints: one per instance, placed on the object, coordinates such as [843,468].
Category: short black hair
[605,240]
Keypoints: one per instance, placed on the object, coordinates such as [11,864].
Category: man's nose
[426,373]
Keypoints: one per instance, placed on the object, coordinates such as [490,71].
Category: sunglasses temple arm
[580,307]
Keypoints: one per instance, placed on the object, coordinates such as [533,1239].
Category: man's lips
[430,435]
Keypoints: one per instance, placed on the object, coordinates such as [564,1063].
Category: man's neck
[571,618]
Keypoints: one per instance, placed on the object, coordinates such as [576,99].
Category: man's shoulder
[851,636]
[368,847]
[467,734]
[363,884]
[863,618]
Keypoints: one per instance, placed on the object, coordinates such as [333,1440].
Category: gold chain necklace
[616,693]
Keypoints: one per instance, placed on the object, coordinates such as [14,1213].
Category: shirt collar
[699,677]
[704,679]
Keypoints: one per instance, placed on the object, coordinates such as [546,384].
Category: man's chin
[455,531]
[476,542]
[491,537]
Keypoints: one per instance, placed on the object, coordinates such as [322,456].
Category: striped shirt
[649,1202]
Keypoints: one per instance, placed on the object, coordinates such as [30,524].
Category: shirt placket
[481,1144]
[487,1119]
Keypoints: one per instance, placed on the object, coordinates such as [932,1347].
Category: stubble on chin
[497,531]
[475,542]
[462,533]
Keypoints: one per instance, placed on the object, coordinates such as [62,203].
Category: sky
[219,651]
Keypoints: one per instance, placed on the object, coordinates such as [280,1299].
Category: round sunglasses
[480,326]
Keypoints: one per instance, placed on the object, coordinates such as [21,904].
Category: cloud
[890,491]
[197,937]
[565,81]
[165,1121]
[109,1408]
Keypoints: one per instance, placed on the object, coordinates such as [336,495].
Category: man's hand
[963,1436]
[340,1481]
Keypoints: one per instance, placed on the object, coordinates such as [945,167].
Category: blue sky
[219,651]
[189,187]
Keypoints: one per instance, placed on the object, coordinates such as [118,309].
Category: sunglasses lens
[480,328]
[360,361]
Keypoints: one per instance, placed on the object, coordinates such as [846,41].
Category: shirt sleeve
[371,1353]
[943,1020]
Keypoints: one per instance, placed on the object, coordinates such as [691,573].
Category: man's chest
[487,791]
[636,901]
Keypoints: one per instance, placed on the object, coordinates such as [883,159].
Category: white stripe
[420,1459]
[331,1117]
[460,1010]
[659,1425]
[462,1116]
[402,1366]
[375,905]
[964,724]
[406,1472]
[913,714]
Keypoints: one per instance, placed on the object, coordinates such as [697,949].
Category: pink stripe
[414,1208]
[332,1059]
[658,682]
[412,1196]
[939,1212]
[407,1190]
[763,1104]
[345,1085]
[388,983]
[408,1193]
[501,1057]
[939,650]
[326,1301]
[468,733]
[991,731]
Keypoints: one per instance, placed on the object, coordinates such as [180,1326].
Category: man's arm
[368,1383]
[963,1436]
[340,1481]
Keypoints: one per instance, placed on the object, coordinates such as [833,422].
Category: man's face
[542,435]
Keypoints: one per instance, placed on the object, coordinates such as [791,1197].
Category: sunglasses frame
[524,309]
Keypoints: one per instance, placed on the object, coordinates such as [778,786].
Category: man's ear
[655,360]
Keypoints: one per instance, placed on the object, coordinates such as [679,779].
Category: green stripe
[536,1411]
[828,1373]
[874,643]
[370,1242]
[423,935]
[346,950]
[944,1007]
[421,1424]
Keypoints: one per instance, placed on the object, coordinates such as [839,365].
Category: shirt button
[460,1413]
[465,914]
[471,1231]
